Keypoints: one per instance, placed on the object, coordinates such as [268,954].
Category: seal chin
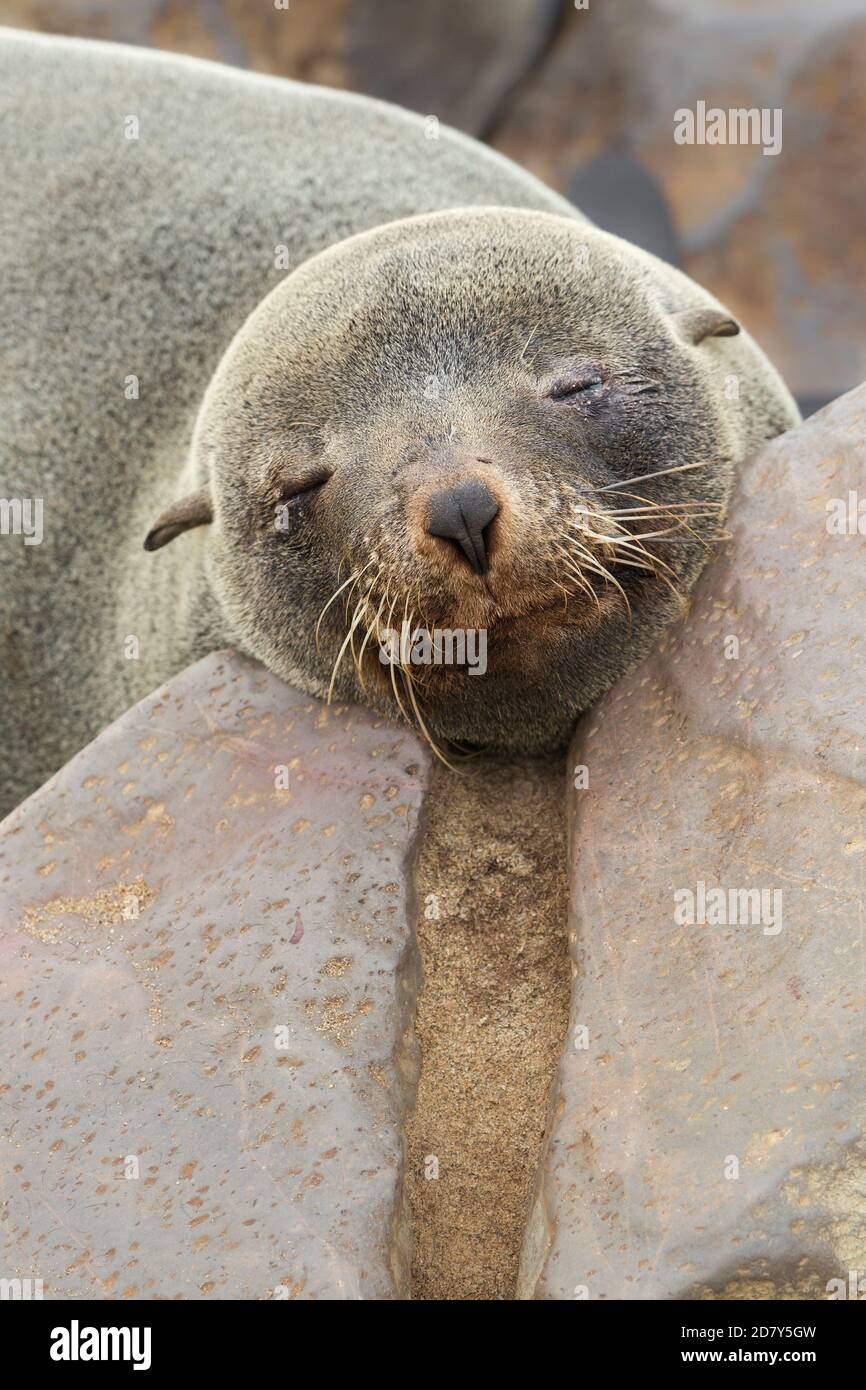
[536,607]
[564,610]
[521,643]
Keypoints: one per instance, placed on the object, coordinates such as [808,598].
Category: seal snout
[461,516]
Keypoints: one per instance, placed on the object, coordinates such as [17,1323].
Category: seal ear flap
[705,322]
[196,509]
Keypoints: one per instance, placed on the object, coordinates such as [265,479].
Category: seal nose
[461,514]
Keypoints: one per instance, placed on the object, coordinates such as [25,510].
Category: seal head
[493,422]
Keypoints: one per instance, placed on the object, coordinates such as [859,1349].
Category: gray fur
[145,257]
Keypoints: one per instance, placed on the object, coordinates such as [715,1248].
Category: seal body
[325,328]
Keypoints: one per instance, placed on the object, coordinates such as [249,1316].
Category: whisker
[633,545]
[658,509]
[434,747]
[644,477]
[370,629]
[530,338]
[578,574]
[352,578]
[593,563]
[356,618]
[620,538]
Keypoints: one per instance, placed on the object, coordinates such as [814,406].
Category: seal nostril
[461,515]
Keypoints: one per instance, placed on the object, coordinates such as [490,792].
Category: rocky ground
[286,1014]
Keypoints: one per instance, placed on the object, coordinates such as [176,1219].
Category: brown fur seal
[564,382]
[457,417]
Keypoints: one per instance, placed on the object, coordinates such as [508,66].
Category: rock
[491,1018]
[615,191]
[778,238]
[206,993]
[460,63]
[707,1138]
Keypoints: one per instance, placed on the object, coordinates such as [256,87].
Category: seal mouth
[390,628]
[441,657]
[567,610]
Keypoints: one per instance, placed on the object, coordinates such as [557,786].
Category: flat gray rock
[707,1138]
[206,982]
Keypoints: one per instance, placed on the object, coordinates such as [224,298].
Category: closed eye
[304,487]
[583,384]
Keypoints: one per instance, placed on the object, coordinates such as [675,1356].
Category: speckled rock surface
[205,1000]
[708,1132]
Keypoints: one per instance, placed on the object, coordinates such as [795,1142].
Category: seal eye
[301,489]
[588,384]
[289,498]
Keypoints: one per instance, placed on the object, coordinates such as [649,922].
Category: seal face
[488,422]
